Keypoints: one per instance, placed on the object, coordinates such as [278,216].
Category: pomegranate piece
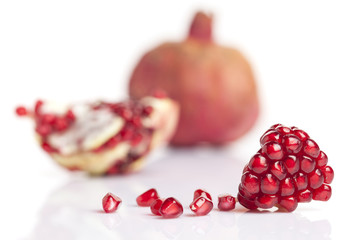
[156,205]
[226,202]
[101,137]
[110,202]
[201,206]
[288,169]
[201,192]
[147,198]
[21,111]
[171,208]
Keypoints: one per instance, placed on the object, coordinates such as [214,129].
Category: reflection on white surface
[74,210]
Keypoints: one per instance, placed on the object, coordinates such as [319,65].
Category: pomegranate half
[101,137]
[214,85]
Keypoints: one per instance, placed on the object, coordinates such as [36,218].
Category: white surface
[306,56]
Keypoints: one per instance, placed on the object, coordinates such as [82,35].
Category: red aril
[110,202]
[147,198]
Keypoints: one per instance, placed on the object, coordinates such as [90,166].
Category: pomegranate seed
[156,205]
[201,206]
[70,116]
[47,148]
[171,208]
[226,202]
[289,203]
[201,192]
[147,198]
[316,179]
[289,168]
[269,184]
[273,150]
[110,202]
[21,111]
[136,139]
[328,173]
[43,130]
[323,193]
[258,164]
[48,118]
[304,196]
[38,106]
[61,124]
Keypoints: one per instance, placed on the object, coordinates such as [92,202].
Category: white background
[306,56]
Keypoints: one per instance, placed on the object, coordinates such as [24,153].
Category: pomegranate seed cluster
[289,169]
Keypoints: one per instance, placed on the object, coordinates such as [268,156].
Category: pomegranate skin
[214,85]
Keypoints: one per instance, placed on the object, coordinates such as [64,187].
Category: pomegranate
[101,137]
[214,85]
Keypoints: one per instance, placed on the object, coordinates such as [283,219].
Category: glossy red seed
[48,118]
[269,184]
[321,160]
[292,144]
[61,124]
[246,202]
[147,198]
[323,193]
[283,130]
[289,203]
[43,129]
[246,168]
[250,183]
[201,192]
[270,136]
[287,187]
[301,181]
[328,174]
[302,135]
[245,193]
[292,164]
[21,111]
[307,164]
[155,206]
[136,139]
[276,126]
[304,196]
[266,201]
[201,206]
[273,150]
[311,148]
[258,164]
[226,202]
[316,179]
[110,202]
[171,208]
[278,170]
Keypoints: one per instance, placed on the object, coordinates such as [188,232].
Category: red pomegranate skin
[214,85]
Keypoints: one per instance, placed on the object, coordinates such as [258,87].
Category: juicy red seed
[147,198]
[302,135]
[289,203]
[292,164]
[201,192]
[283,130]
[316,179]
[250,183]
[112,142]
[278,170]
[273,150]
[270,136]
[21,111]
[292,144]
[246,168]
[266,201]
[125,113]
[110,202]
[269,184]
[304,196]
[226,202]
[48,118]
[258,164]
[136,139]
[38,106]
[276,126]
[126,133]
[171,208]
[61,124]
[301,181]
[323,193]
[322,159]
[43,129]
[155,206]
[245,193]
[136,121]
[70,115]
[47,148]
[246,202]
[311,148]
[328,174]
[307,164]
[287,187]
[201,206]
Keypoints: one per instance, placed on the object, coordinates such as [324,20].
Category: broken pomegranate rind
[104,138]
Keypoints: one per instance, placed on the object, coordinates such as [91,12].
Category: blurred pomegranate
[214,85]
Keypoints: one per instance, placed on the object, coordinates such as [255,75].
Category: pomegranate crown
[201,27]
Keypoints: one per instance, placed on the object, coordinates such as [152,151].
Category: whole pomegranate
[214,85]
